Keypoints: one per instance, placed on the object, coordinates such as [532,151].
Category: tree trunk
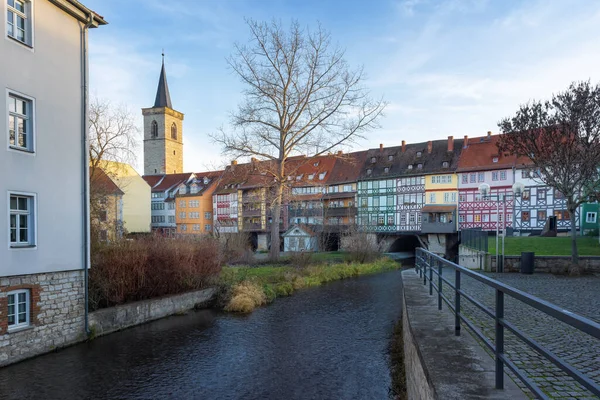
[276,216]
[574,268]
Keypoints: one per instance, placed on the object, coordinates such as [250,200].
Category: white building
[43,156]
[162,206]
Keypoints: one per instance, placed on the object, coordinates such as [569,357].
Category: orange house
[193,204]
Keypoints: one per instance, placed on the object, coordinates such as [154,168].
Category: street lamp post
[484,190]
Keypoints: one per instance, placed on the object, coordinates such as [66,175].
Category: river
[328,342]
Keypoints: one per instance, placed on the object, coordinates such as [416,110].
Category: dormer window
[419,166]
[419,154]
[410,166]
[373,160]
[316,164]
[194,189]
[322,175]
[494,159]
[181,189]
[299,177]
[369,171]
[205,181]
[445,164]
[311,177]
[386,170]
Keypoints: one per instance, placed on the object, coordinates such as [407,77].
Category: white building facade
[44,247]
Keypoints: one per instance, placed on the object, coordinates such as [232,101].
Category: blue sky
[446,67]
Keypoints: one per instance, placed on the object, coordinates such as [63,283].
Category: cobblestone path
[580,295]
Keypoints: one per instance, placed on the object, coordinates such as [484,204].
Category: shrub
[132,270]
[301,259]
[362,247]
[246,297]
[237,248]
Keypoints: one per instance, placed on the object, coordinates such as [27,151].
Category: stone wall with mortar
[162,154]
[550,264]
[56,314]
[113,319]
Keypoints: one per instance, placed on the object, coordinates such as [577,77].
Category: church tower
[163,132]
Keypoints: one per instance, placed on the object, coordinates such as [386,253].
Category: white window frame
[19,325]
[31,128]
[32,228]
[589,214]
[207,227]
[29,24]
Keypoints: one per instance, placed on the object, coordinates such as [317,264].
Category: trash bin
[527,258]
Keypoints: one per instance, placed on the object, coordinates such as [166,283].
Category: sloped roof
[480,152]
[163,98]
[167,181]
[102,183]
[432,163]
[347,167]
[213,177]
[302,227]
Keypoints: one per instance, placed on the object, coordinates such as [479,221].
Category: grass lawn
[249,287]
[546,246]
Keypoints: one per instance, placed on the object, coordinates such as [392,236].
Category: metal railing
[427,264]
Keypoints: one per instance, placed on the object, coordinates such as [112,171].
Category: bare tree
[301,97]
[561,137]
[113,136]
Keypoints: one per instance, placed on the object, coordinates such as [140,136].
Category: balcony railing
[305,212]
[251,227]
[340,212]
[438,227]
[251,212]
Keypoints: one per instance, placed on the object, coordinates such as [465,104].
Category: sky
[445,67]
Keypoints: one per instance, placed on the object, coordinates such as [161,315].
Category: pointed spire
[163,98]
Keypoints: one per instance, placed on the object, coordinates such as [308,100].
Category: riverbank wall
[440,365]
[108,320]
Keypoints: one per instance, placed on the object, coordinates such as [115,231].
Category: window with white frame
[446,197]
[18,21]
[481,176]
[502,175]
[432,197]
[18,309]
[182,215]
[207,227]
[465,178]
[21,220]
[171,219]
[20,122]
[182,203]
[207,215]
[590,217]
[196,227]
[495,175]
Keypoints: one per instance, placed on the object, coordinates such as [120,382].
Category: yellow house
[136,195]
[439,215]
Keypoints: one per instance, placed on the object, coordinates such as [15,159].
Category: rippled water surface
[323,343]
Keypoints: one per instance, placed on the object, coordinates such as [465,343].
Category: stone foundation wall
[472,259]
[113,319]
[546,263]
[56,314]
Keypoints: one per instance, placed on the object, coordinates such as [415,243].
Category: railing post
[431,278]
[499,339]
[425,264]
[439,285]
[457,303]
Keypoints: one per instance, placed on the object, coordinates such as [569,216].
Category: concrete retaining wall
[472,259]
[124,316]
[547,263]
[418,385]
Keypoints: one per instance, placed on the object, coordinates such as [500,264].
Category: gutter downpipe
[85,168]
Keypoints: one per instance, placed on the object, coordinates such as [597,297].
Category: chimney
[489,134]
[466,142]
[429,147]
[450,144]
[403,146]
[380,146]
[253,160]
[339,153]
[234,162]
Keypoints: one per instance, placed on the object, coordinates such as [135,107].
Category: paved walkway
[580,295]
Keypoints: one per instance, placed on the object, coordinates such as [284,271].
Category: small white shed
[300,238]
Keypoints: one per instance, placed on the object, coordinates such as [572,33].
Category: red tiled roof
[347,167]
[480,152]
[168,181]
[152,179]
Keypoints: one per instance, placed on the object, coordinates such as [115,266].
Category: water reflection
[323,343]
